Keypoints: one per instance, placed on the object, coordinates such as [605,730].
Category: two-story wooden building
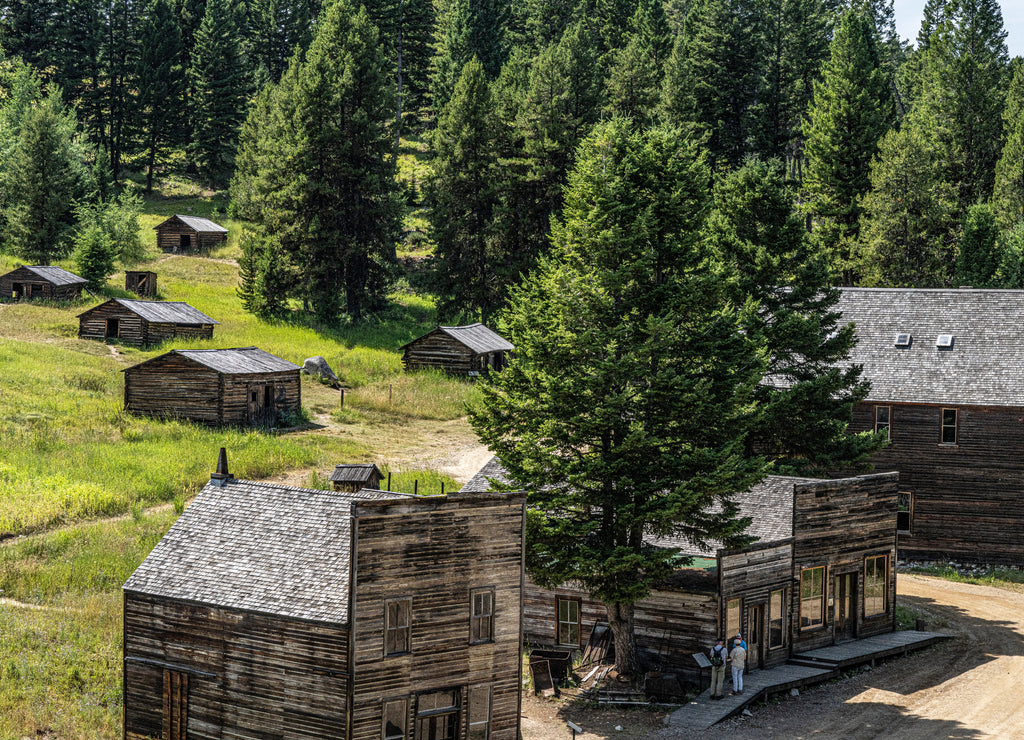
[144,323]
[272,611]
[821,571]
[947,385]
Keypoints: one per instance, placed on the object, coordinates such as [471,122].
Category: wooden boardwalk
[803,669]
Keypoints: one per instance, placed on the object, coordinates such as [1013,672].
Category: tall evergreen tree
[161,83]
[465,30]
[276,28]
[978,255]
[1008,195]
[637,71]
[220,86]
[119,54]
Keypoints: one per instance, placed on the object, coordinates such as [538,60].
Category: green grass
[1000,577]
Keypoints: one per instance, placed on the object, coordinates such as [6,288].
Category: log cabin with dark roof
[144,323]
[245,386]
[185,234]
[140,282]
[947,385]
[459,350]
[273,611]
[355,477]
[42,282]
[821,570]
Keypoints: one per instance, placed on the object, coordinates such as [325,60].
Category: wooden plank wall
[168,238]
[50,291]
[173,386]
[157,333]
[439,351]
[251,676]
[838,524]
[287,394]
[434,553]
[751,574]
[968,497]
[132,279]
[131,328]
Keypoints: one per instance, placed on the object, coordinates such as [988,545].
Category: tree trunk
[620,619]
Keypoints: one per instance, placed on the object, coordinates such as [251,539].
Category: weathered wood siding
[968,498]
[168,238]
[131,328]
[838,524]
[141,283]
[46,290]
[287,394]
[173,387]
[434,555]
[439,351]
[249,675]
[751,574]
[157,333]
[540,616]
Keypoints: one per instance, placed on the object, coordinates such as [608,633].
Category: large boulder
[318,368]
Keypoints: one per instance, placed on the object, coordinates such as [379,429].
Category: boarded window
[479,712]
[904,511]
[875,585]
[569,622]
[397,614]
[393,721]
[175,724]
[812,597]
[481,620]
[733,617]
[882,417]
[777,619]
[949,427]
[437,715]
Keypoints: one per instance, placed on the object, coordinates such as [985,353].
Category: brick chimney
[222,476]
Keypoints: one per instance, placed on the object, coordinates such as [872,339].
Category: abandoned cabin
[356,477]
[459,350]
[183,234]
[144,323]
[41,282]
[245,386]
[945,368]
[141,283]
[273,611]
[821,571]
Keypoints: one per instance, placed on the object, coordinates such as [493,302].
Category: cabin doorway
[113,329]
[18,291]
[845,599]
[185,243]
[262,409]
[755,632]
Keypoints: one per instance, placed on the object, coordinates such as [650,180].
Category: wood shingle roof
[56,275]
[476,337]
[161,312]
[355,473]
[196,223]
[237,361]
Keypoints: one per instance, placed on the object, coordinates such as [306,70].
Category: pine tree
[276,29]
[119,54]
[978,256]
[405,28]
[1008,195]
[93,255]
[465,30]
[626,345]
[850,112]
[637,72]
[220,84]
[161,83]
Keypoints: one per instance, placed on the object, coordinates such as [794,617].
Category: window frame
[400,635]
[955,426]
[733,627]
[887,424]
[453,710]
[909,511]
[478,691]
[869,582]
[781,618]
[481,626]
[820,622]
[559,600]
[404,703]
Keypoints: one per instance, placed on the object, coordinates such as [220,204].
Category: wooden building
[276,612]
[244,386]
[141,283]
[42,282]
[460,350]
[947,385]
[821,571]
[184,234]
[144,323]
[356,477]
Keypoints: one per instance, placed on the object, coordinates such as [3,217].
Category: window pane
[479,712]
[394,720]
[812,593]
[732,618]
[875,585]
[882,414]
[776,619]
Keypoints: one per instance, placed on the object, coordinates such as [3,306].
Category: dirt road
[969,687]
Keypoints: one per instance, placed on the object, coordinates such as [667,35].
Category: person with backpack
[719,656]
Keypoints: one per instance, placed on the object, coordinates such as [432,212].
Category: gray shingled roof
[198,224]
[162,312]
[357,473]
[259,547]
[479,482]
[55,275]
[240,360]
[477,337]
[984,366]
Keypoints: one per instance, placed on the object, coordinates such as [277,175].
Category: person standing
[738,660]
[719,657]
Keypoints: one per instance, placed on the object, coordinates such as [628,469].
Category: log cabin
[144,323]
[459,350]
[269,611]
[356,477]
[946,369]
[245,386]
[184,234]
[141,283]
[821,570]
[41,282]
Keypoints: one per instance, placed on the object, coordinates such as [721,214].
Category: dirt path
[969,687]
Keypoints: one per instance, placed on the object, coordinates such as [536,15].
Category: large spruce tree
[161,83]
[1008,195]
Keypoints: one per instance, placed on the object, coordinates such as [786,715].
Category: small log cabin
[356,477]
[459,350]
[140,283]
[272,611]
[42,282]
[821,571]
[144,323]
[243,387]
[184,234]
[945,368]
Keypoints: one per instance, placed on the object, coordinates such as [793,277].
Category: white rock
[794,692]
[318,367]
[747,713]
[618,728]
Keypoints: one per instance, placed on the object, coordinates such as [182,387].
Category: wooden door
[262,409]
[755,636]
[845,604]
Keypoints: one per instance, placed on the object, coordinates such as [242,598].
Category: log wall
[168,238]
[968,498]
[173,387]
[131,328]
[142,284]
[287,394]
[250,676]
[434,554]
[47,290]
[439,351]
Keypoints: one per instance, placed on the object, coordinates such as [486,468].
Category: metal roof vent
[903,340]
[944,341]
